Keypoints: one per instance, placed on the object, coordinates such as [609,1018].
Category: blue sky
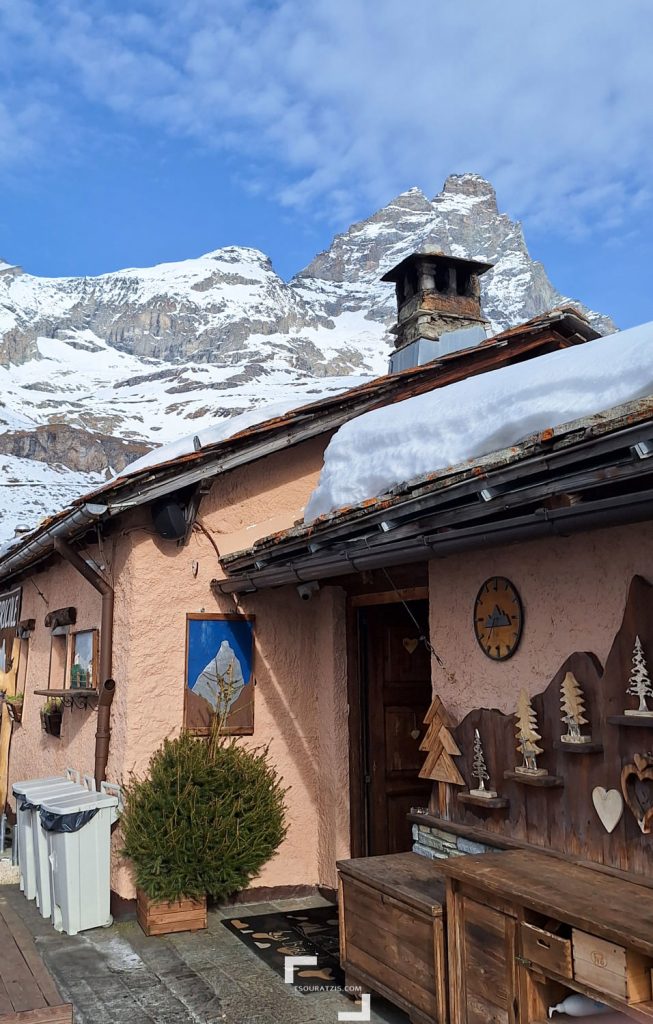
[132,133]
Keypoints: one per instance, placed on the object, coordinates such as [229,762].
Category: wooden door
[396,693]
[482,968]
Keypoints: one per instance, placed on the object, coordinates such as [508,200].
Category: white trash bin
[26,856]
[80,861]
[40,842]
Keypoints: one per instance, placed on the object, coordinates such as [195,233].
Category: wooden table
[392,939]
[519,927]
[28,995]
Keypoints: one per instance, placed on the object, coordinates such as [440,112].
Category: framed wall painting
[219,672]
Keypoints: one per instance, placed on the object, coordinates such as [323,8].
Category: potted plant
[51,716]
[204,820]
[14,706]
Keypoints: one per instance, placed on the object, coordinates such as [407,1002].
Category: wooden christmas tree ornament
[480,772]
[440,747]
[527,736]
[573,707]
[639,683]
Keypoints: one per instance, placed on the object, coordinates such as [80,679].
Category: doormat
[310,932]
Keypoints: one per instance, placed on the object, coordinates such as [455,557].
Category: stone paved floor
[117,974]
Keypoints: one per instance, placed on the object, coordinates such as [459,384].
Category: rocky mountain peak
[144,355]
[472,185]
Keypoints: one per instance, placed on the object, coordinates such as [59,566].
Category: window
[83,667]
[58,660]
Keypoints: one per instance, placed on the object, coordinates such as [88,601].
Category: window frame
[94,631]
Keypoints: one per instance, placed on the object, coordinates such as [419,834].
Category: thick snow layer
[381,449]
[218,431]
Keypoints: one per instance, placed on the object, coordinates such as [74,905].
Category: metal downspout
[107,684]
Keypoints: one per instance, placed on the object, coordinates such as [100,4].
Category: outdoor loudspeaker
[169,520]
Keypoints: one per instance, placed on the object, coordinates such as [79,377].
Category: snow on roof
[381,449]
[218,431]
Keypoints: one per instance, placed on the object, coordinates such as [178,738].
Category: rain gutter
[615,511]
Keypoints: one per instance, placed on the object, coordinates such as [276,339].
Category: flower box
[51,722]
[161,917]
[14,709]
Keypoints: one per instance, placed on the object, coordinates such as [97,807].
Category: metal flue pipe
[107,683]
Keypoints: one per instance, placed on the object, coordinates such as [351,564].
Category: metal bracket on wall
[78,698]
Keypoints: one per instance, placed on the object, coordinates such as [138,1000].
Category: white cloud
[343,103]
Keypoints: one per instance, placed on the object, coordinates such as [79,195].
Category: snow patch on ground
[384,448]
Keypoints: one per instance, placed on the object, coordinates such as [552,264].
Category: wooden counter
[525,929]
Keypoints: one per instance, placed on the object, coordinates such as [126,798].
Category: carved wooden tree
[573,706]
[440,748]
[479,769]
[527,735]
[639,681]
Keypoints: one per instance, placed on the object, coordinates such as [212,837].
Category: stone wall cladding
[438,844]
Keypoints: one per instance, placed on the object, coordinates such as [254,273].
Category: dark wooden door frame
[357,803]
[358,824]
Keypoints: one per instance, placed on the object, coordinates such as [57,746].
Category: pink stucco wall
[573,590]
[300,699]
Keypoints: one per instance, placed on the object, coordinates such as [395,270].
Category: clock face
[498,618]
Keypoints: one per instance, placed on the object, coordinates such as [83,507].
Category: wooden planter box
[160,917]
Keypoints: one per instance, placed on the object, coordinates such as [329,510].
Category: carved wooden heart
[410,644]
[609,805]
[637,788]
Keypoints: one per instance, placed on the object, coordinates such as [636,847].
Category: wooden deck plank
[30,954]
[28,995]
[16,976]
[62,1014]
[5,1002]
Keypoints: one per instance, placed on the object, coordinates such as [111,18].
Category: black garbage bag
[27,806]
[52,822]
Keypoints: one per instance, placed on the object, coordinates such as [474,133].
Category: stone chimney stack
[437,295]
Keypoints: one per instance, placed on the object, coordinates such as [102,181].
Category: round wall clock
[498,618]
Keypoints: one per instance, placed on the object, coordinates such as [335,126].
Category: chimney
[438,307]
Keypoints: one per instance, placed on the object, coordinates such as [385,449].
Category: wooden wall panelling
[563,819]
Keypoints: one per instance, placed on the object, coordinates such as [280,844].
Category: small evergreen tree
[640,681]
[206,818]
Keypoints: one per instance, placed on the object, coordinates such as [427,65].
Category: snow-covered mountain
[96,370]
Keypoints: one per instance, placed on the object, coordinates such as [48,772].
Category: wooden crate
[392,938]
[609,968]
[544,949]
[160,917]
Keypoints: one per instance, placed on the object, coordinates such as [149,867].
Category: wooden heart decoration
[410,645]
[609,805]
[637,788]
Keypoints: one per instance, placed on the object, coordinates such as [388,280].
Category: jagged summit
[468,184]
[143,355]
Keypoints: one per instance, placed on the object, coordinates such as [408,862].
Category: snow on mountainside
[96,370]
